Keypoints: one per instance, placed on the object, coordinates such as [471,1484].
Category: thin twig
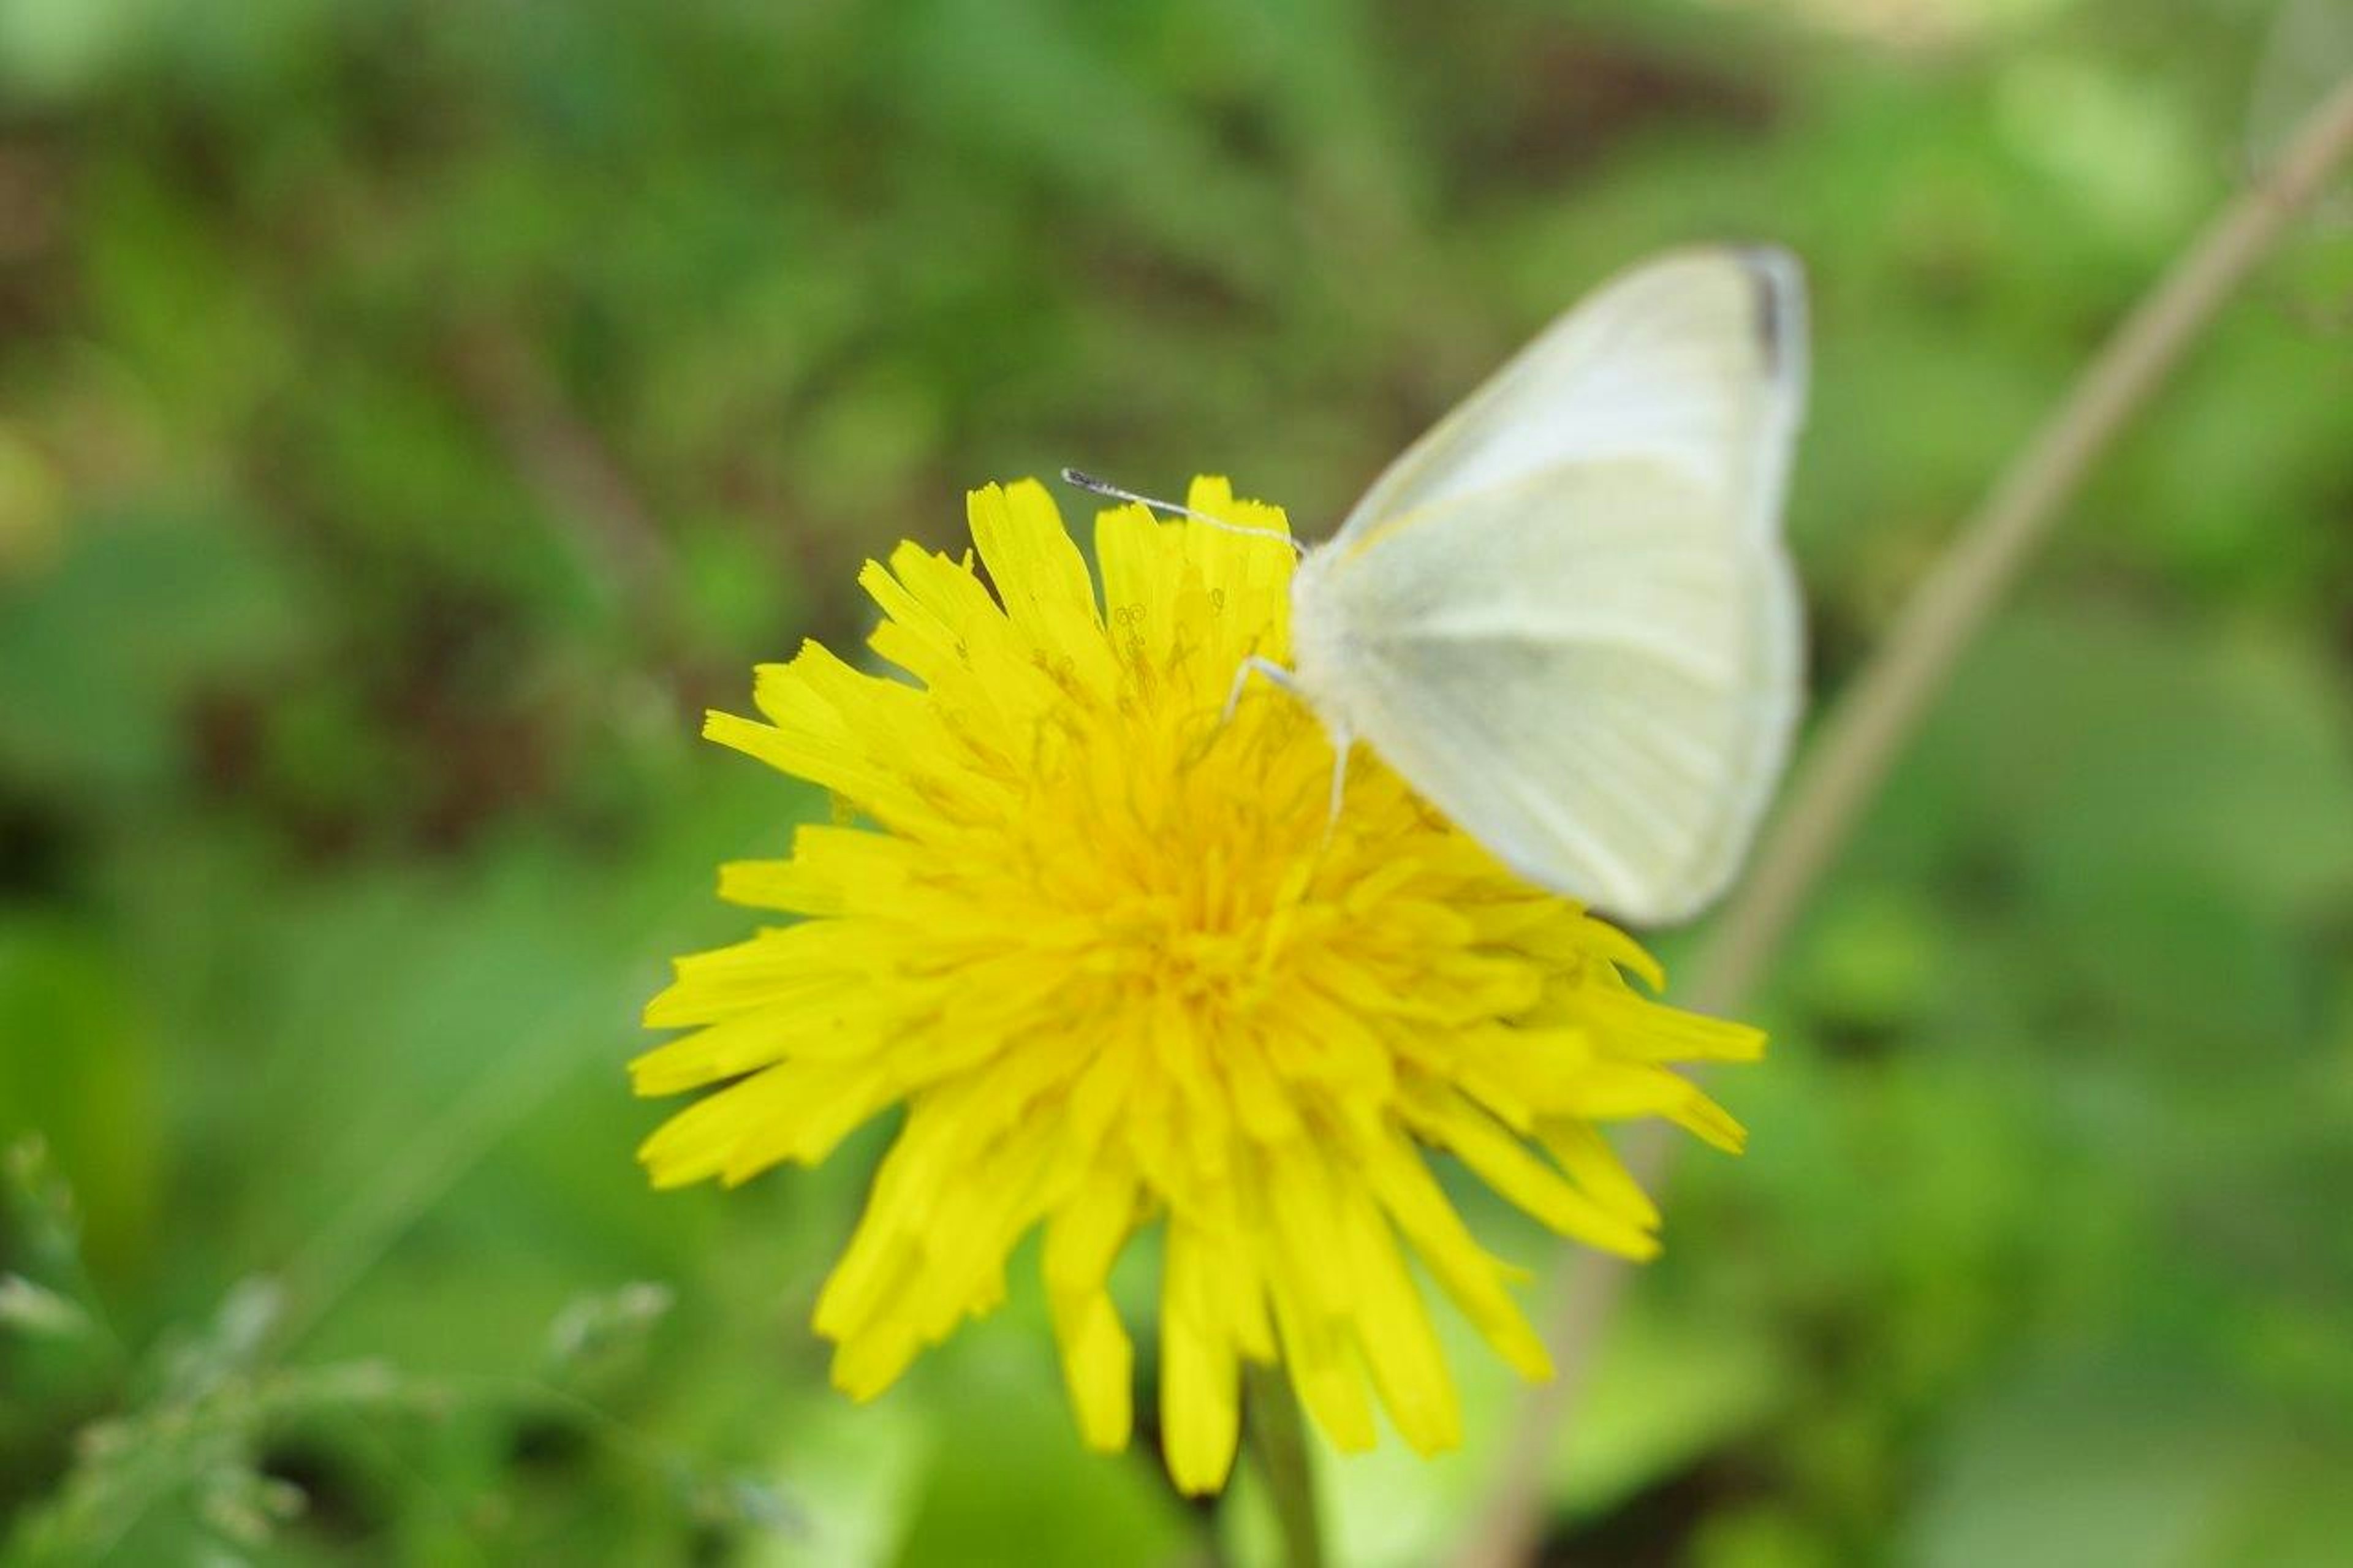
[1864,735]
[565,462]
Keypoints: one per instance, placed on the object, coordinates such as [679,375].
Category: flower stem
[1863,736]
[1278,1445]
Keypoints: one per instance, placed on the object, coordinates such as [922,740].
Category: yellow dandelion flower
[1125,971]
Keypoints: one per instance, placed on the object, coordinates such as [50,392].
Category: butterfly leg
[1341,740]
[1266,667]
[1342,744]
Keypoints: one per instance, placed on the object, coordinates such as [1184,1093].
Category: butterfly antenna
[1086,481]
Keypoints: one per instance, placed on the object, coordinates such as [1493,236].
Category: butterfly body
[1566,615]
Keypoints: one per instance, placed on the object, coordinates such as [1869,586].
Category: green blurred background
[412,414]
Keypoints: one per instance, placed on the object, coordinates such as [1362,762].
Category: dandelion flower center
[1124,969]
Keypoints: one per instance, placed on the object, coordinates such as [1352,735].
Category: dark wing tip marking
[1781,327]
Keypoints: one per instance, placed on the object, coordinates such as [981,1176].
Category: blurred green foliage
[411,414]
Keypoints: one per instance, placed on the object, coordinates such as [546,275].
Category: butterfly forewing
[1566,615]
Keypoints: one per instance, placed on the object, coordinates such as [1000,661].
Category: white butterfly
[1566,615]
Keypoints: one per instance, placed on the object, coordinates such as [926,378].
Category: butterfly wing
[1566,615]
